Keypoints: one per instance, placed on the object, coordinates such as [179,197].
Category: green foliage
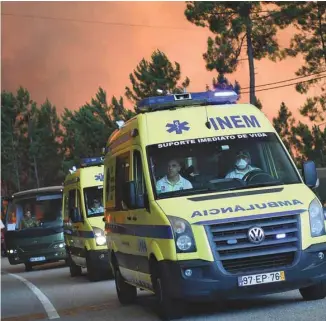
[309,144]
[30,142]
[283,124]
[87,129]
[302,142]
[309,18]
[149,76]
[222,80]
[236,25]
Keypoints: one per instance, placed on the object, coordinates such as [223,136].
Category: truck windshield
[40,211]
[93,201]
[220,163]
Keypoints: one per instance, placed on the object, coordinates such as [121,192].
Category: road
[50,292]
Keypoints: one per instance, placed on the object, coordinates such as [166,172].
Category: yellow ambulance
[83,212]
[203,202]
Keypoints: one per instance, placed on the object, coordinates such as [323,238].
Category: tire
[314,292]
[93,273]
[127,293]
[28,267]
[168,308]
[75,270]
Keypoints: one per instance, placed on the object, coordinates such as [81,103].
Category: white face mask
[241,164]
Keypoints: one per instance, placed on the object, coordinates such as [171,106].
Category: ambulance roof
[190,116]
[92,168]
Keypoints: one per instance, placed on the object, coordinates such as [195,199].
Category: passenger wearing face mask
[242,166]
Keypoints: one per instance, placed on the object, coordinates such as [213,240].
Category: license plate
[261,278]
[37,259]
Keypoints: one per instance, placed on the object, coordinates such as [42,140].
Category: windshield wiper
[266,184]
[186,192]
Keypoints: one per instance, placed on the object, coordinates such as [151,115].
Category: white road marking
[47,305]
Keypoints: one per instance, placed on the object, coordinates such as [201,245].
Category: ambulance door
[69,202]
[81,228]
[121,218]
[141,219]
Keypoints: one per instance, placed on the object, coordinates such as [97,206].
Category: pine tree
[157,74]
[309,18]
[283,124]
[236,25]
[87,130]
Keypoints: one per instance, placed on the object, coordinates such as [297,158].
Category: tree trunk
[35,167]
[15,159]
[320,31]
[250,54]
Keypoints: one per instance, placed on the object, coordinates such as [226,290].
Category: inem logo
[243,121]
[99,177]
[177,127]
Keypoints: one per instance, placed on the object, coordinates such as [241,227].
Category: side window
[122,176]
[66,207]
[79,203]
[72,200]
[138,173]
[107,185]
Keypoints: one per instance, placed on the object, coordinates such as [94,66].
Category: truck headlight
[59,245]
[183,236]
[99,236]
[317,221]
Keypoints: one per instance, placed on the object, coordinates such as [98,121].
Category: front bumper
[208,282]
[99,258]
[50,255]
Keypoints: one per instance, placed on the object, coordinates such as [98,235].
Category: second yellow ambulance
[83,213]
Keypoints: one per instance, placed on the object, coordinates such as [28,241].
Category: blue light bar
[214,97]
[85,162]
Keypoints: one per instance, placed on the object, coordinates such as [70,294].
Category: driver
[96,207]
[173,181]
[28,221]
[242,165]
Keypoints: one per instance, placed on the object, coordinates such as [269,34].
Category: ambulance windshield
[219,163]
[93,200]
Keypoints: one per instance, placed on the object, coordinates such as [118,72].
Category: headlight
[59,245]
[14,251]
[183,236]
[99,236]
[317,222]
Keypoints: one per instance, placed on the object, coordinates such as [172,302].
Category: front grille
[238,255]
[34,247]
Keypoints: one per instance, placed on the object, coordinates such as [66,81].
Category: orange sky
[67,61]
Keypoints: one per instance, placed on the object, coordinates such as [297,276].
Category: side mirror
[310,175]
[132,199]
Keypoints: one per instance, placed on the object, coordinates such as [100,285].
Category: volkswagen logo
[256,235]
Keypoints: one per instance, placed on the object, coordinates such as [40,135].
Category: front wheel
[314,292]
[94,274]
[28,267]
[75,270]
[127,293]
[168,308]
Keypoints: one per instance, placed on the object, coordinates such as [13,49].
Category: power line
[279,82]
[299,82]
[114,23]
[95,21]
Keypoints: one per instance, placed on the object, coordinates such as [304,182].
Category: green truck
[34,227]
